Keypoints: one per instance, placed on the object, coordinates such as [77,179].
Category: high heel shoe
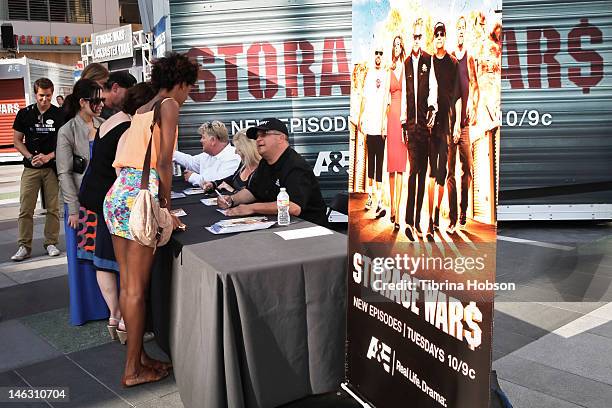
[122,333]
[112,328]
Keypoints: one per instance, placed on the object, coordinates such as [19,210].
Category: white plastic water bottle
[282,204]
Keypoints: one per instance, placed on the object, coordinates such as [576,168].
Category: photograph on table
[425,120]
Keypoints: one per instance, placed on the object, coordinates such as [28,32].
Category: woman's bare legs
[135,271]
[107,281]
[399,183]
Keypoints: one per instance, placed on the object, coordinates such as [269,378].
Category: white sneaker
[21,254]
[52,250]
[368,204]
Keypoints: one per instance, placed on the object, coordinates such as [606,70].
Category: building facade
[53,30]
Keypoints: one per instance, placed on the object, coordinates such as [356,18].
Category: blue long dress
[86,301]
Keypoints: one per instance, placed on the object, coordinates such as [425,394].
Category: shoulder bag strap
[146,167]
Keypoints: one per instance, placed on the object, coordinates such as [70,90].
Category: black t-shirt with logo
[40,130]
[292,172]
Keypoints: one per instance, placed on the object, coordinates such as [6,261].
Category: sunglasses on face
[95,101]
[417,36]
[378,53]
[439,34]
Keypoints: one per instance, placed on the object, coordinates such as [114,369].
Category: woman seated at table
[247,150]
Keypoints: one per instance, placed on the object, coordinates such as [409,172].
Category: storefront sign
[112,44]
[50,40]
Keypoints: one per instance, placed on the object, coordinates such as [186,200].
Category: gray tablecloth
[257,321]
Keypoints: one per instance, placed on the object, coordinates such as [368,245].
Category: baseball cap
[439,27]
[267,124]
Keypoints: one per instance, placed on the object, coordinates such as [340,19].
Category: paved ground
[552,337]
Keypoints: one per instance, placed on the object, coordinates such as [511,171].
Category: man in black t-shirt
[35,137]
[281,166]
[445,67]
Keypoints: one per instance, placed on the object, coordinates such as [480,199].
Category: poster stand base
[348,390]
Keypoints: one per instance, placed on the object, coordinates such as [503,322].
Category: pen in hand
[222,198]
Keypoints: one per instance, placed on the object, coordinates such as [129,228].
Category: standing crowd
[113,139]
[421,109]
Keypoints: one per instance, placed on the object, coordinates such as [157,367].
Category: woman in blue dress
[74,143]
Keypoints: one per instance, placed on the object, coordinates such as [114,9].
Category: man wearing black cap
[115,90]
[445,67]
[421,104]
[281,167]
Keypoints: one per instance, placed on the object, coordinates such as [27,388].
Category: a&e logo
[380,352]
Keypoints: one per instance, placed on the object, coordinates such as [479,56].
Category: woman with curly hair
[172,77]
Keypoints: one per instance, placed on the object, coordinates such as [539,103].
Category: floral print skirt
[120,199]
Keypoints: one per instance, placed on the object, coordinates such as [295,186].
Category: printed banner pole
[425,105]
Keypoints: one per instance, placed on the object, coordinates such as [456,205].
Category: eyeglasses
[95,101]
[439,34]
[417,36]
[378,53]
[263,133]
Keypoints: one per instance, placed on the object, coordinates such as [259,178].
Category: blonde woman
[247,150]
[96,72]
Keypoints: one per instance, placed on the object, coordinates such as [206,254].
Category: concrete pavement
[552,336]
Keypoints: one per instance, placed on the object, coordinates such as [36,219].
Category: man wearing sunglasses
[418,116]
[35,137]
[469,93]
[371,122]
[445,67]
[114,92]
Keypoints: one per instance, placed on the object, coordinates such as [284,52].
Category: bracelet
[165,204]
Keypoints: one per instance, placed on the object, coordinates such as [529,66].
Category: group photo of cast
[425,116]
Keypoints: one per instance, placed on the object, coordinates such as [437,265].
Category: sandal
[146,375]
[121,332]
[112,328]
